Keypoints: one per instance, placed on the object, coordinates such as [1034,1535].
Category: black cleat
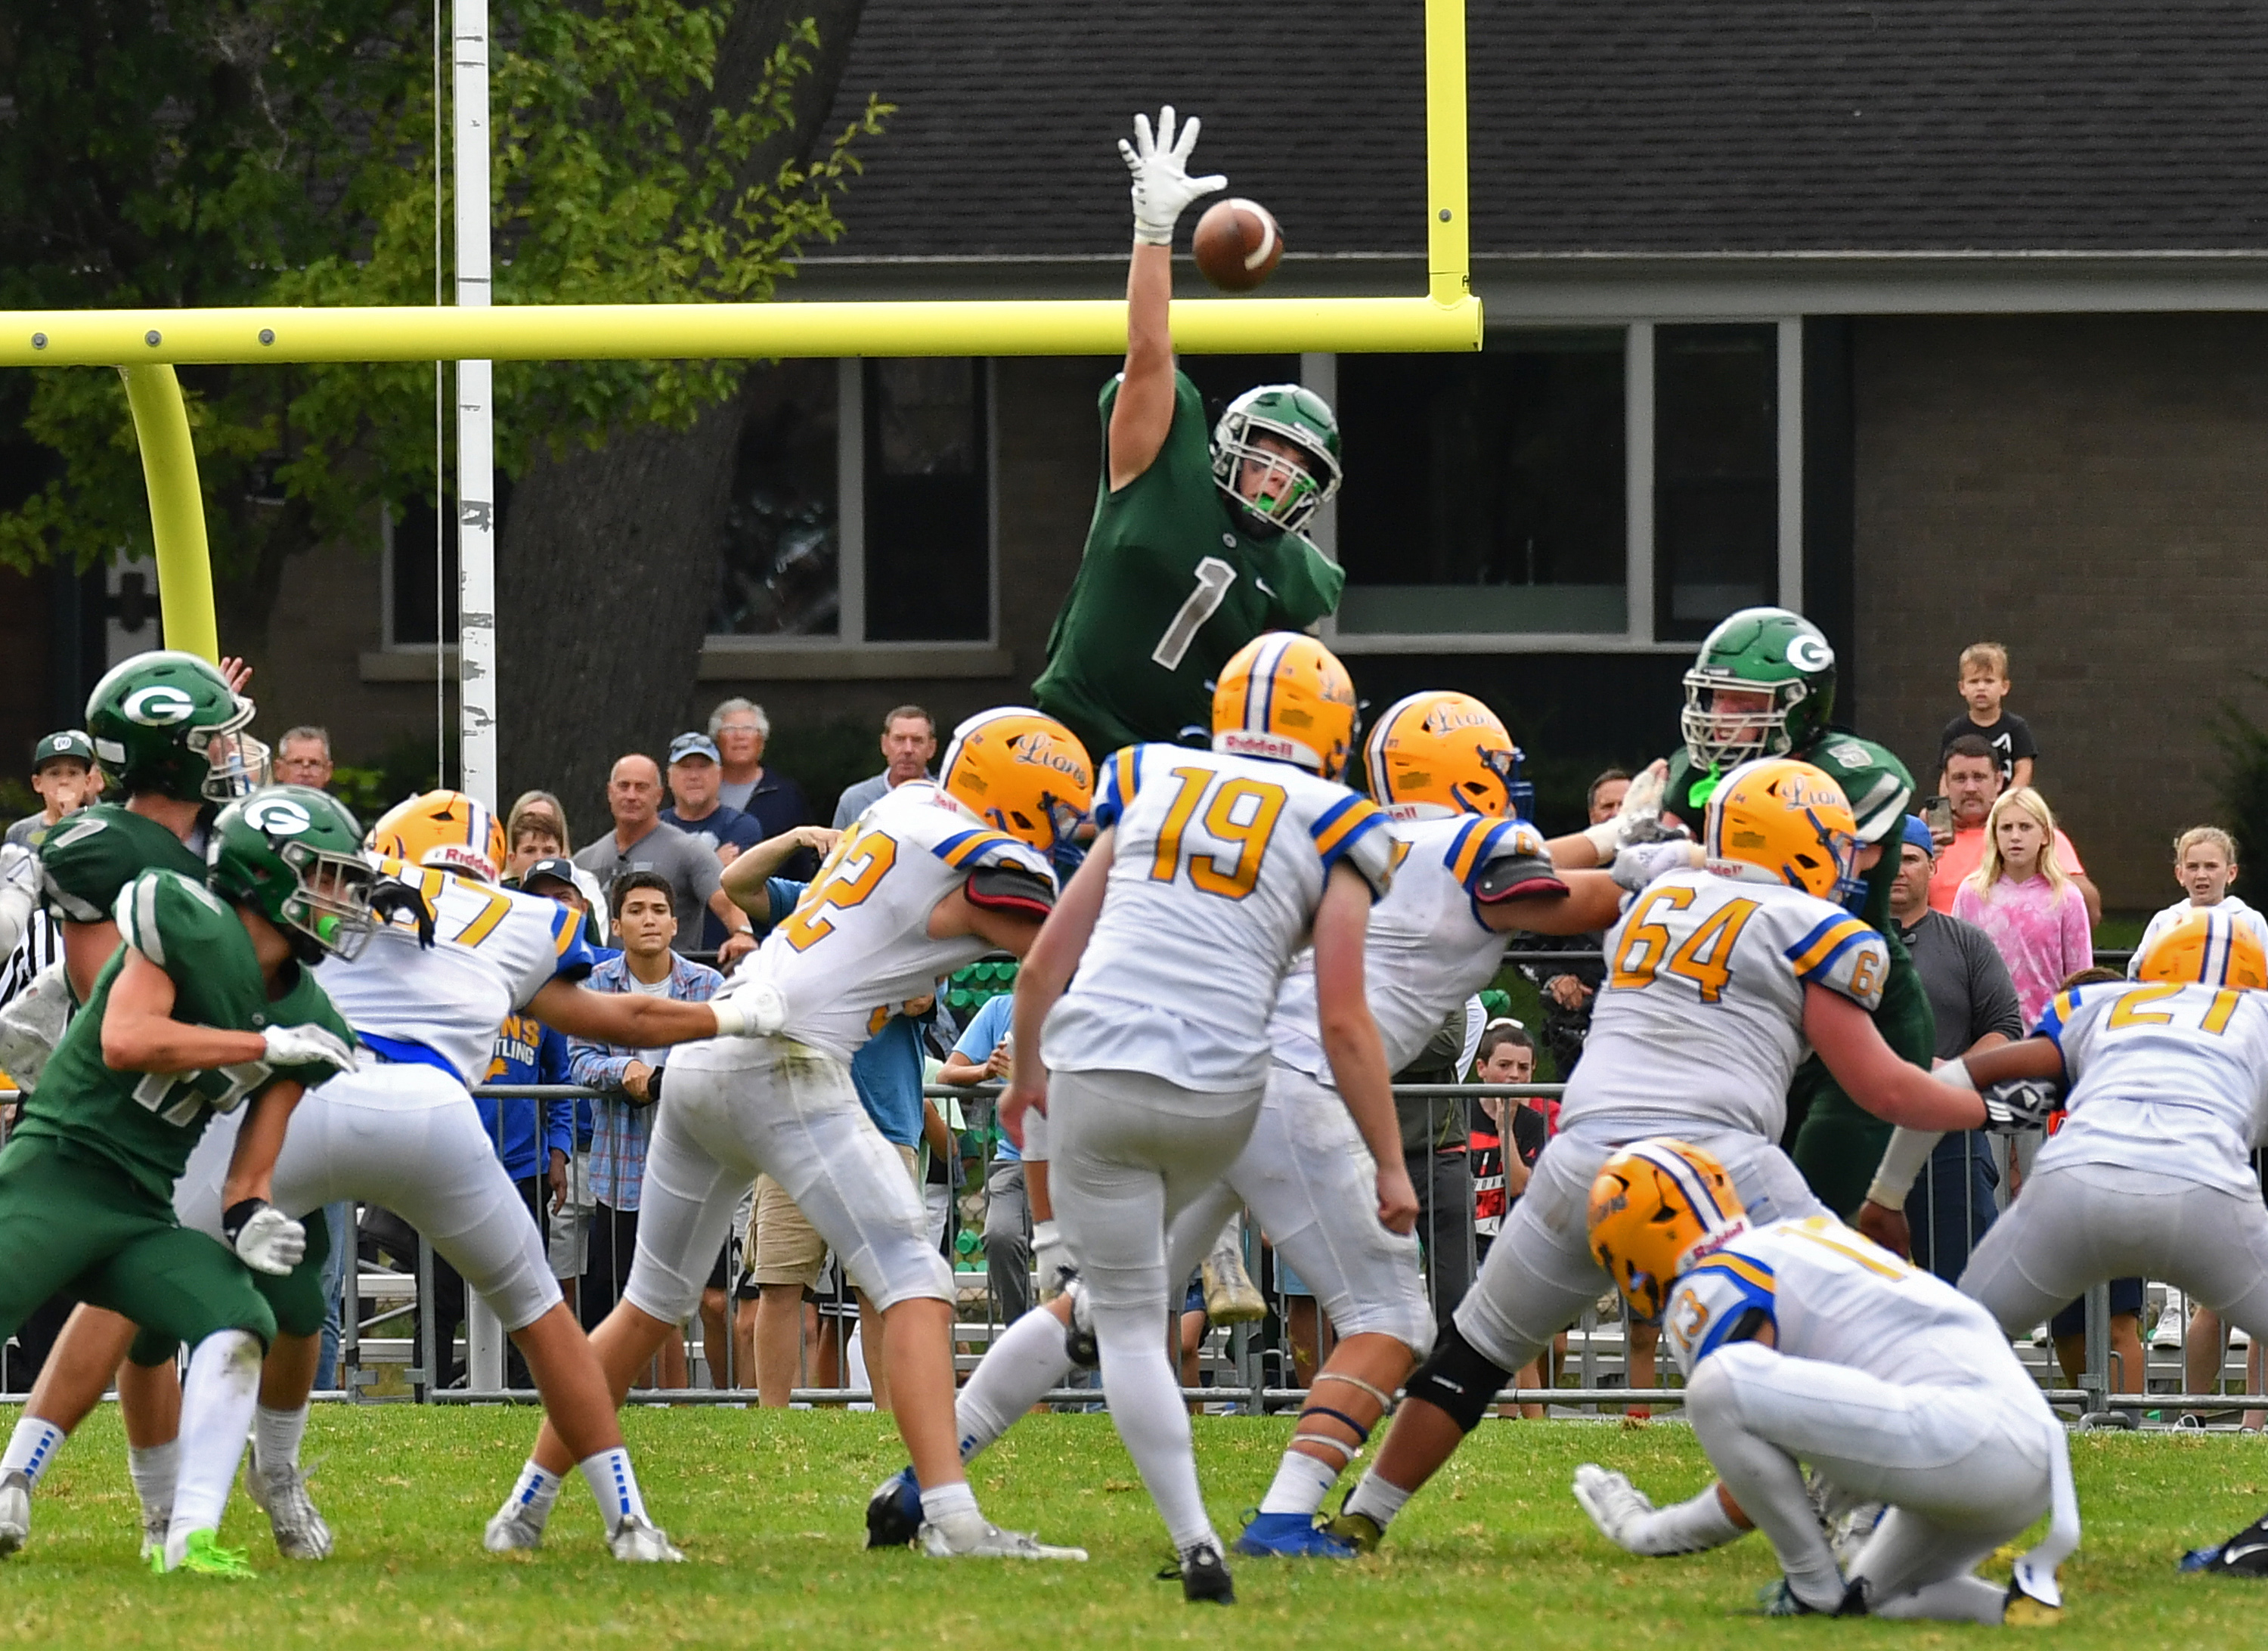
[2243,1554]
[893,1512]
[1205,1577]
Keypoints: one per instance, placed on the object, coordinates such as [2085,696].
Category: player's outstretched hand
[2016,1104]
[264,1238]
[307,1046]
[1397,1199]
[1027,1091]
[1163,187]
[1615,1506]
[1641,863]
[1884,1226]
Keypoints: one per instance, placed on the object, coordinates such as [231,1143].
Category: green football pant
[296,1297]
[71,1220]
[1840,1146]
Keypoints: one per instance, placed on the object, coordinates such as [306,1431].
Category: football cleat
[1230,1295]
[205,1556]
[1204,1576]
[1612,1501]
[1292,1536]
[1086,1353]
[636,1542]
[973,1537]
[16,1513]
[2243,1554]
[893,1512]
[1359,1532]
[2022,1611]
[1780,1599]
[511,1529]
[281,1492]
[154,1527]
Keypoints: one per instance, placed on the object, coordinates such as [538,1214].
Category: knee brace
[1457,1379]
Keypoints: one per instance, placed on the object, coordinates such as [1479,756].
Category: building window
[420,576]
[1485,494]
[862,506]
[1572,488]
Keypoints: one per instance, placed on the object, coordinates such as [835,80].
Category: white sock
[216,1404]
[1689,1527]
[1376,1500]
[1301,1484]
[155,1469]
[31,1448]
[615,1486]
[1144,1396]
[534,1492]
[276,1436]
[943,1504]
[1030,1357]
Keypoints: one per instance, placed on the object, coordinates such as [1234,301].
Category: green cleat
[206,1557]
[1359,1531]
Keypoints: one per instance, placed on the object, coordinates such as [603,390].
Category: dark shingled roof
[1620,125]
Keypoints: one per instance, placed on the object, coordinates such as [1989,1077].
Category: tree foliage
[284,152]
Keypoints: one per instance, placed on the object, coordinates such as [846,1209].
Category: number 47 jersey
[1699,1022]
[1218,866]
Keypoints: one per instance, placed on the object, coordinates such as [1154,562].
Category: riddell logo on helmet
[1244,742]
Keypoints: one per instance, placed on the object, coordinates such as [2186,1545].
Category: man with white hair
[741,731]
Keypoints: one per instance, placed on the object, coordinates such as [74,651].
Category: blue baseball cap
[1917,834]
[686,744]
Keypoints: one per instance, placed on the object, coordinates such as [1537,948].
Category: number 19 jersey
[1700,1019]
[1217,868]
[858,944]
[2164,1077]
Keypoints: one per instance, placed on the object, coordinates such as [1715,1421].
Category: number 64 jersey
[1217,867]
[1700,1018]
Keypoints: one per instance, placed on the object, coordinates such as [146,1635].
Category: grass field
[768,1509]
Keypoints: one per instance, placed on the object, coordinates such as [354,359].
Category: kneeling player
[1802,1342]
[206,1006]
[2152,1172]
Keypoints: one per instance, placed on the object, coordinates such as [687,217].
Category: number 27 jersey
[1218,866]
[1700,1019]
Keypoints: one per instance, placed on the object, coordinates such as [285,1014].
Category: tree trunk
[607,567]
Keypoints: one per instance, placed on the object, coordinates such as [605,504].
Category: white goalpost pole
[477,702]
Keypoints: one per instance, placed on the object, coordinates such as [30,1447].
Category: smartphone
[1937,813]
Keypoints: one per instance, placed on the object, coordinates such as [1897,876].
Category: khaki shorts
[787,1249]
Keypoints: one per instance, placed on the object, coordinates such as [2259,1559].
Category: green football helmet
[295,856]
[168,722]
[1292,493]
[1768,651]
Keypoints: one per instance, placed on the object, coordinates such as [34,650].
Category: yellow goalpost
[144,344]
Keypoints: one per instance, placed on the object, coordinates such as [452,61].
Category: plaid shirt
[619,1126]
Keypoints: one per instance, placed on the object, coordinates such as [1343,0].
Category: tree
[633,529]
[283,151]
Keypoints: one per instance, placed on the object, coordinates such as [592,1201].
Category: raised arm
[1163,188]
[747,878]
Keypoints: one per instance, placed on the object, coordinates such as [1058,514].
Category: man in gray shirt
[909,743]
[642,841]
[1975,1003]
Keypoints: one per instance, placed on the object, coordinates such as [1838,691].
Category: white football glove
[1615,1506]
[32,1024]
[1163,187]
[1636,867]
[264,1238]
[307,1046]
[1050,1260]
[754,1008]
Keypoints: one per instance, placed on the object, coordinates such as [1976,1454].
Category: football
[1238,245]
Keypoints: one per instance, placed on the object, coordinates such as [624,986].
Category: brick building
[1940,322]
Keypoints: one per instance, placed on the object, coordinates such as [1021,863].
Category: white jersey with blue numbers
[493,949]
[1428,950]
[858,944]
[1830,1295]
[2162,1077]
[1217,867]
[1700,1018]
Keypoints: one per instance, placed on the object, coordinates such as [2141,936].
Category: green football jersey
[146,1122]
[1170,586]
[91,855]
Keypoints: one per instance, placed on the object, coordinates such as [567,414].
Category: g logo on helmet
[278,817]
[1810,653]
[159,706]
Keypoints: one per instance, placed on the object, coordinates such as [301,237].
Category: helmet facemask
[1720,741]
[330,909]
[236,764]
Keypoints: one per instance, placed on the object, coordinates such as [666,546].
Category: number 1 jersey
[1700,1019]
[1218,866]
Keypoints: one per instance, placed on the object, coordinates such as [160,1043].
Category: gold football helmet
[1651,1203]
[2207,947]
[1023,771]
[445,830]
[1780,821]
[1286,696]
[1438,754]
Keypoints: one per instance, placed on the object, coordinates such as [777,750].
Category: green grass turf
[767,1508]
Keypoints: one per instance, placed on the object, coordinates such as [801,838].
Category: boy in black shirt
[1985,683]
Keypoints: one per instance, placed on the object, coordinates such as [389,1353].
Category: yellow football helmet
[2207,947]
[1286,696]
[1436,754]
[1022,771]
[1651,1203]
[445,830]
[1780,821]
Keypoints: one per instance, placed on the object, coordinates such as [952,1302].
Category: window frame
[388,643]
[1319,374]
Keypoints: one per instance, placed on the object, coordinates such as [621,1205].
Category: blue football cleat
[1292,1536]
[893,1512]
